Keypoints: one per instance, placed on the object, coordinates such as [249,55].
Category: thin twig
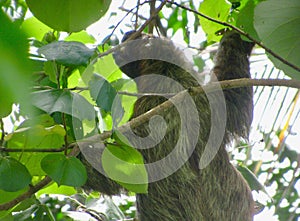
[64,122]
[32,150]
[134,35]
[152,13]
[137,14]
[239,31]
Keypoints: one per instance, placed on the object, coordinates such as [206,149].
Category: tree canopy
[60,86]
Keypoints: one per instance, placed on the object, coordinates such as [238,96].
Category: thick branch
[194,91]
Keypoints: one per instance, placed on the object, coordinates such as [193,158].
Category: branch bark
[194,91]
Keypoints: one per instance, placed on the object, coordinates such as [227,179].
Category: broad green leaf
[107,68]
[34,28]
[55,189]
[278,26]
[245,19]
[125,165]
[50,69]
[251,178]
[74,79]
[35,137]
[128,102]
[82,36]
[68,15]
[14,176]
[14,66]
[63,101]
[217,9]
[69,53]
[102,92]
[64,170]
[120,138]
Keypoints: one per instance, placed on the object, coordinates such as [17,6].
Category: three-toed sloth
[192,191]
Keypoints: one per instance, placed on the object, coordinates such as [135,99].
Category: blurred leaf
[125,165]
[63,101]
[69,16]
[217,9]
[67,53]
[199,62]
[10,171]
[14,66]
[278,26]
[64,170]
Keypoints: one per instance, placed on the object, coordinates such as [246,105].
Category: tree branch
[193,91]
[239,31]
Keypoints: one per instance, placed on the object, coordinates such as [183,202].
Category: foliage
[74,94]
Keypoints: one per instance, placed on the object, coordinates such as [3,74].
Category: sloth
[198,182]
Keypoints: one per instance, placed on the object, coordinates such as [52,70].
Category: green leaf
[68,15]
[120,138]
[35,137]
[245,19]
[34,28]
[82,36]
[14,66]
[102,92]
[14,176]
[63,101]
[55,189]
[50,69]
[8,196]
[217,9]
[125,165]
[107,68]
[127,85]
[250,178]
[64,170]
[278,26]
[68,53]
